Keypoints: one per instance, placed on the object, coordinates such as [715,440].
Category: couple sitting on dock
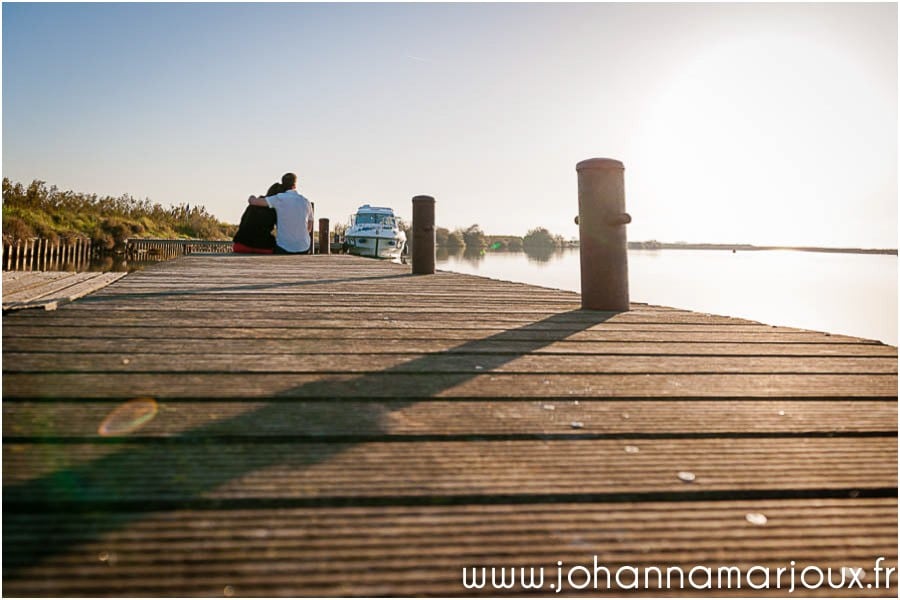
[283,208]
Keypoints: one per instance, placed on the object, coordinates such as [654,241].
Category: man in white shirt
[295,217]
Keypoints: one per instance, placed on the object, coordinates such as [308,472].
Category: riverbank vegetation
[39,210]
[473,238]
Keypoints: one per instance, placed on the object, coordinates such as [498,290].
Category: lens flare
[128,417]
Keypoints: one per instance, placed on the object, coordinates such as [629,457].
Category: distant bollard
[423,235]
[601,226]
[324,244]
[311,227]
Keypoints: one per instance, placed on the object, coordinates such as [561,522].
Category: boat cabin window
[373,219]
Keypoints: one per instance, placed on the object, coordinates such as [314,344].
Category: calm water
[854,294]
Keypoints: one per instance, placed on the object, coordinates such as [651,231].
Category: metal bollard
[324,244]
[423,235]
[601,227]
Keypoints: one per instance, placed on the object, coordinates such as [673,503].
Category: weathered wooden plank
[45,303]
[42,473]
[10,276]
[45,285]
[59,290]
[396,315]
[409,385]
[298,313]
[295,419]
[388,319]
[293,320]
[295,304]
[15,282]
[90,284]
[339,524]
[422,550]
[423,346]
[335,280]
[345,289]
[387,332]
[141,362]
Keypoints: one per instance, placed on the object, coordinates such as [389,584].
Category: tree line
[39,210]
[474,238]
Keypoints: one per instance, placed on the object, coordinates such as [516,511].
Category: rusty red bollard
[601,227]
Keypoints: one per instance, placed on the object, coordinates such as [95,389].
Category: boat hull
[375,247]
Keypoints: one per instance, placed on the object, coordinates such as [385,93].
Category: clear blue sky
[757,123]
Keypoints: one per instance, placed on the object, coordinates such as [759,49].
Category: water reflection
[474,255]
[117,264]
[541,254]
[853,294]
[101,264]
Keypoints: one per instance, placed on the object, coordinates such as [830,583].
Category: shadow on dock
[168,473]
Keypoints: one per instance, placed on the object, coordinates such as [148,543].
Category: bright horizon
[769,124]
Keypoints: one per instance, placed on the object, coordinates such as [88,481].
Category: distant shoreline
[752,248]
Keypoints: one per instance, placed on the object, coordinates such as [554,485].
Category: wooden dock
[330,425]
[49,289]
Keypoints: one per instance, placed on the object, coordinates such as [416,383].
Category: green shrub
[540,238]
[47,211]
[474,237]
[455,240]
[15,228]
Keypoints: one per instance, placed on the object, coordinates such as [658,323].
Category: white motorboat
[375,231]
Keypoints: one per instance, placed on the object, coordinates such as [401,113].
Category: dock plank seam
[255,502]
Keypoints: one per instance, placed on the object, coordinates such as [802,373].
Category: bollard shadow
[78,504]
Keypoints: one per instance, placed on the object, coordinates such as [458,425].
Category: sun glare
[743,136]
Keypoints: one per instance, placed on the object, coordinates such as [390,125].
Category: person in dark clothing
[254,235]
